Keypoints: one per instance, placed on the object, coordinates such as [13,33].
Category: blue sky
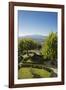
[36,22]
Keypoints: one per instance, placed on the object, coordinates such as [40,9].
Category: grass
[28,72]
[24,73]
[43,73]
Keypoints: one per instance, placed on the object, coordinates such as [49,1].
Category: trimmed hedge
[36,66]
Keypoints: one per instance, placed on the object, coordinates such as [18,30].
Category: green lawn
[24,73]
[28,72]
[43,73]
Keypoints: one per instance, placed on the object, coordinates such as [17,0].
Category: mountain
[34,36]
[39,38]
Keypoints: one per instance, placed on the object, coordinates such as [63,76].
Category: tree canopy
[27,44]
[49,48]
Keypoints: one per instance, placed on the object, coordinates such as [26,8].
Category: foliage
[49,48]
[27,44]
[33,56]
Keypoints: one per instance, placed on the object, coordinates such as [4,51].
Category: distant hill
[39,38]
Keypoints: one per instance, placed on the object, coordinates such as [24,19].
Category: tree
[27,44]
[49,48]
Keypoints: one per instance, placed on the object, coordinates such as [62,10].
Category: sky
[36,22]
